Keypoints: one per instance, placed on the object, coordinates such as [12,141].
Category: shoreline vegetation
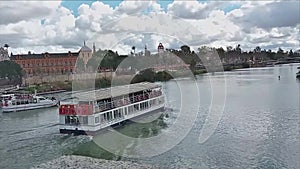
[149,75]
[165,64]
[74,162]
[146,75]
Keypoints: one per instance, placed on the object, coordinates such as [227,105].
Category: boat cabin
[97,109]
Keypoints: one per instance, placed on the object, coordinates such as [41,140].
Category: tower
[147,52]
[4,53]
[94,48]
[85,53]
[160,48]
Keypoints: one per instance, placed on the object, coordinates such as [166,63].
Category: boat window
[97,120]
[125,110]
[136,107]
[84,120]
[42,98]
[120,112]
[115,113]
[107,116]
[67,120]
[84,102]
[130,109]
[72,120]
[102,117]
[110,117]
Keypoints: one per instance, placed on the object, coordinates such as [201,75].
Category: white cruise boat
[21,102]
[98,109]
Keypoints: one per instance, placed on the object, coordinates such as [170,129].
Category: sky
[61,26]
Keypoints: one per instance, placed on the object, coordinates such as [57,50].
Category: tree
[185,49]
[229,48]
[291,53]
[6,45]
[80,66]
[204,49]
[96,59]
[280,51]
[221,52]
[257,49]
[10,70]
[193,64]
[238,49]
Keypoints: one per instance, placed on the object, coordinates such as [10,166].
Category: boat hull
[87,130]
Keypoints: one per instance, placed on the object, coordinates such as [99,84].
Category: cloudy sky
[61,26]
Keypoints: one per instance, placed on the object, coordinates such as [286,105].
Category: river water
[259,126]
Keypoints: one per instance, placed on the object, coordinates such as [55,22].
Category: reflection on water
[259,127]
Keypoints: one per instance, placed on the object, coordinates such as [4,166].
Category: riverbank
[77,162]
[145,75]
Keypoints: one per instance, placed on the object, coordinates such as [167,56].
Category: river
[259,126]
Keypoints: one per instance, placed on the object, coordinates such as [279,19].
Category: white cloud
[189,9]
[13,12]
[140,23]
[268,14]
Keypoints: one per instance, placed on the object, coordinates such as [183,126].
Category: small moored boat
[98,109]
[5,97]
[21,102]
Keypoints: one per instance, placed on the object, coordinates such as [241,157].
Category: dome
[160,46]
[84,48]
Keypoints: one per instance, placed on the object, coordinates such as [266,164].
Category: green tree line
[10,70]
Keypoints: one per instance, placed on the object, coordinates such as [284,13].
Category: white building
[3,54]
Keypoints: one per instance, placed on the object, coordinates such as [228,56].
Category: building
[160,48]
[46,63]
[3,54]
[86,53]
[147,52]
[51,63]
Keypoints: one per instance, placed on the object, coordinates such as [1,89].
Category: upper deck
[115,91]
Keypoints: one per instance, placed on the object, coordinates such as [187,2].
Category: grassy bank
[145,75]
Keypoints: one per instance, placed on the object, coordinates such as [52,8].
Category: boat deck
[114,91]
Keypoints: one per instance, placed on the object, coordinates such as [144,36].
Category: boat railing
[83,109]
[104,106]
